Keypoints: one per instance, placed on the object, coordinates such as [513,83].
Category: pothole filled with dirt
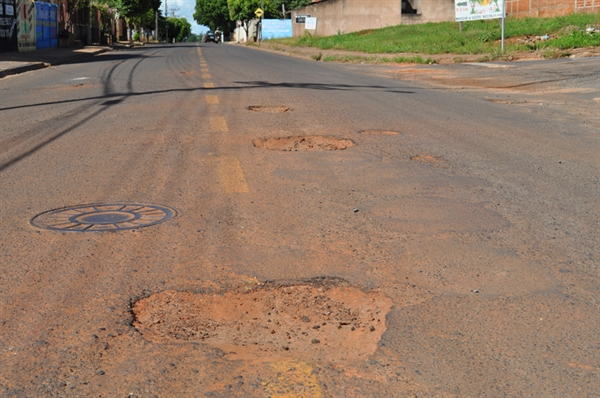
[269,109]
[426,159]
[311,320]
[379,132]
[303,143]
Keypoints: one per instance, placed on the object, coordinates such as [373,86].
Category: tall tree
[243,10]
[135,8]
[179,28]
[214,14]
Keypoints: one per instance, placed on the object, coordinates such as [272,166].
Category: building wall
[347,16]
[437,10]
[549,8]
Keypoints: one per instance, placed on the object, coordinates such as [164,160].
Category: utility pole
[262,7]
[167,16]
[156,25]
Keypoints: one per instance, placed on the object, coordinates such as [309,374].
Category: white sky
[186,9]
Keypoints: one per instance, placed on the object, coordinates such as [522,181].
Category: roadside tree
[179,28]
[214,14]
[244,10]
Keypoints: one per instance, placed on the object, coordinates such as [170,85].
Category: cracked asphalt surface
[473,212]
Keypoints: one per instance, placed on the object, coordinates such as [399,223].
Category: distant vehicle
[209,37]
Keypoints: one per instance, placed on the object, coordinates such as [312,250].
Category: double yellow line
[230,168]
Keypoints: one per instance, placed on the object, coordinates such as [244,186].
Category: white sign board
[311,24]
[471,10]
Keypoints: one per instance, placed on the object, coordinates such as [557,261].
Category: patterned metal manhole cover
[103,217]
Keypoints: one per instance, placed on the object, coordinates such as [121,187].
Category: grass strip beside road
[477,37]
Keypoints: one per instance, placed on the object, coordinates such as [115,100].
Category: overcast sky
[186,9]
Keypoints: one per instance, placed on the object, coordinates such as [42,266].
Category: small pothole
[426,159]
[379,132]
[304,143]
[269,109]
[308,320]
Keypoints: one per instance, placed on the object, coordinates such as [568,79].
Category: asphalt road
[450,249]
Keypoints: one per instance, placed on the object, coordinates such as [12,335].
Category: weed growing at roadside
[376,60]
[477,37]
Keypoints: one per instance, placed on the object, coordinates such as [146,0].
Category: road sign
[301,18]
[258,13]
[310,24]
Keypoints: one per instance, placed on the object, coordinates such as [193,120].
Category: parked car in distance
[209,37]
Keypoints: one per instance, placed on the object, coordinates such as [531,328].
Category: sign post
[259,14]
[473,10]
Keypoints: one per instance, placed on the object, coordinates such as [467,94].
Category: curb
[41,65]
[80,56]
[23,69]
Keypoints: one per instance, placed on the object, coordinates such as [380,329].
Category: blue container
[46,24]
[53,21]
[39,26]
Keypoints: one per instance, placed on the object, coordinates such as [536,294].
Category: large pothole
[309,320]
[269,109]
[304,143]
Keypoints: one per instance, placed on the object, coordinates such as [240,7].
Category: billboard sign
[472,10]
[276,28]
[310,24]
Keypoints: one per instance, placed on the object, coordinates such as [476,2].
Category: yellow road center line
[232,176]
[218,124]
[209,85]
[204,70]
[294,379]
[212,99]
[206,76]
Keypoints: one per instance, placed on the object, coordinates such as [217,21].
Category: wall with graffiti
[26,25]
[8,26]
[26,21]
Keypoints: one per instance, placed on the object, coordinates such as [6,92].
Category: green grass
[477,37]
[354,59]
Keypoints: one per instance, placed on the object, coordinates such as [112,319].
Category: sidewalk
[18,62]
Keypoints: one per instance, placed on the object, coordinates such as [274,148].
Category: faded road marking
[205,76]
[218,124]
[212,99]
[294,379]
[209,85]
[232,176]
[582,366]
[204,70]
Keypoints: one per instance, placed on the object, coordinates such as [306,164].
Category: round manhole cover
[304,143]
[307,321]
[269,109]
[103,217]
